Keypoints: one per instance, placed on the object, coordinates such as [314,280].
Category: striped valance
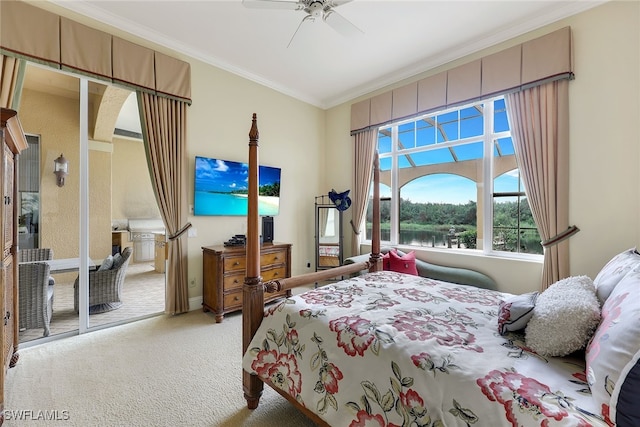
[40,36]
[533,62]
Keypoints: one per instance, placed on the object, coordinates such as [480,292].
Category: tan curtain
[539,119]
[11,75]
[323,217]
[164,124]
[365,148]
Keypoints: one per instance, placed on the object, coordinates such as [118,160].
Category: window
[29,194]
[437,171]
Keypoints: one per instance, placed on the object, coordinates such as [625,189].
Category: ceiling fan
[314,9]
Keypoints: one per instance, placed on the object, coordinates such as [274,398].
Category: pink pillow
[386,266]
[403,264]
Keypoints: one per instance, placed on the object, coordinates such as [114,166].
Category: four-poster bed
[387,348]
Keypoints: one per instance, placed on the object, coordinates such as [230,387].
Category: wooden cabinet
[160,253]
[224,271]
[121,239]
[13,142]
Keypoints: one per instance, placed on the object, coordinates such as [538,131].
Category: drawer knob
[275,274]
[236,298]
[236,263]
[235,280]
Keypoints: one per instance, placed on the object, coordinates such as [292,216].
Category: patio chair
[105,285]
[35,296]
[36,254]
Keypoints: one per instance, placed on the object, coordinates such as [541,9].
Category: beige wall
[55,119]
[291,137]
[605,146]
[314,149]
[132,194]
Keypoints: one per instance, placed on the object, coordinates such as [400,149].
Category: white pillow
[564,317]
[614,271]
[515,312]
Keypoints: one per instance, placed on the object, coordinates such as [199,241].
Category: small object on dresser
[237,240]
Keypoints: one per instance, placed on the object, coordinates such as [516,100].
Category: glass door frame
[83,244]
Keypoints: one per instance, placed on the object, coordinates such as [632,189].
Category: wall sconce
[61,169]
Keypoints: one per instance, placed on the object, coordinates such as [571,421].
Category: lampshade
[60,169]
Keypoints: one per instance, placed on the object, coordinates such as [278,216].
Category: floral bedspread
[389,349]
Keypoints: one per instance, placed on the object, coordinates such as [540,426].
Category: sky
[441,188]
[226,176]
[447,188]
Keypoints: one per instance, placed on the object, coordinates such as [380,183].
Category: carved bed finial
[254,135]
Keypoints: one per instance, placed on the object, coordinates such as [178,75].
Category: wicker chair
[35,296]
[105,286]
[37,254]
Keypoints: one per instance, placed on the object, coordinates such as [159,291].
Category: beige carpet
[164,371]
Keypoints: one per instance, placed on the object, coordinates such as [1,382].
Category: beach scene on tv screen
[221,188]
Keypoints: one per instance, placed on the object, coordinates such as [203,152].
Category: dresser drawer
[233,300]
[233,282]
[278,257]
[235,263]
[273,274]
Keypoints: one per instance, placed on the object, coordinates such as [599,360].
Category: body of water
[417,238]
[206,203]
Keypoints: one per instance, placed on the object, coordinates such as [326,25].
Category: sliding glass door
[81,212]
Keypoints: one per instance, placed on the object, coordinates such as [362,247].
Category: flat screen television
[221,188]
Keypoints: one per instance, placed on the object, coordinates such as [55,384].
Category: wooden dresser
[224,271]
[13,142]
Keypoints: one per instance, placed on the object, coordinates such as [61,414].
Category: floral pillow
[403,263]
[613,354]
[515,312]
[564,317]
[614,271]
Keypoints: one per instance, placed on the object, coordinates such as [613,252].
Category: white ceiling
[321,67]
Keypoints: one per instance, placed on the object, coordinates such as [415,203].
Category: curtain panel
[11,79]
[364,153]
[37,35]
[528,64]
[539,119]
[164,124]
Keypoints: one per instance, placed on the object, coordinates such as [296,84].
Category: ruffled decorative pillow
[614,271]
[515,312]
[564,317]
[613,354]
[403,264]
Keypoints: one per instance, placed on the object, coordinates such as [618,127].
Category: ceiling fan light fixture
[314,9]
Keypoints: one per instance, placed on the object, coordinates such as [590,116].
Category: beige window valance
[531,63]
[44,37]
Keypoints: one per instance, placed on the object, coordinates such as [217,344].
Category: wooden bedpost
[376,256]
[252,291]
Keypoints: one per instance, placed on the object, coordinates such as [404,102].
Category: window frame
[488,138]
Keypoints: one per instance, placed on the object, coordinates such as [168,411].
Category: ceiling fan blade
[336,3]
[273,4]
[341,24]
[305,19]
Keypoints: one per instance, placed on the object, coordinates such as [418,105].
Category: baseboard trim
[195,303]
